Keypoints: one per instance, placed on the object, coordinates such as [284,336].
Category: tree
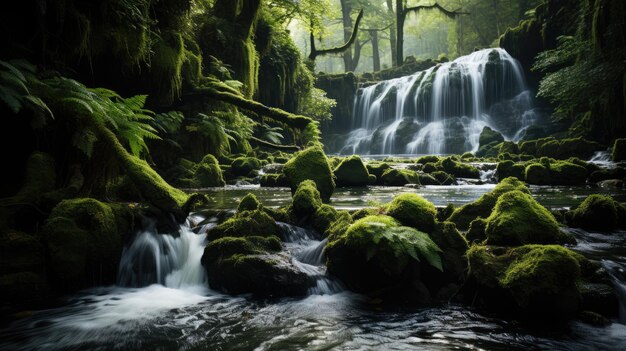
[402,11]
[338,49]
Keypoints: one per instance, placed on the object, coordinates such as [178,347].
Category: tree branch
[314,52]
[436,5]
[291,148]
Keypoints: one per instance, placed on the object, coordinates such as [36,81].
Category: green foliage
[317,105]
[272,134]
[15,76]
[213,131]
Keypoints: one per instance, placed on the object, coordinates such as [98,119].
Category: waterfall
[443,109]
[154,258]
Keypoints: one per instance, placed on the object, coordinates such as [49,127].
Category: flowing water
[443,109]
[162,300]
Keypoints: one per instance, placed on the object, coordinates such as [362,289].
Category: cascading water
[443,109]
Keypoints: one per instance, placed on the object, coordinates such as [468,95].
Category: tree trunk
[375,52]
[399,33]
[346,9]
[392,32]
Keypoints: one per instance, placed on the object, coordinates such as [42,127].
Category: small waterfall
[154,258]
[443,109]
[308,256]
[617,270]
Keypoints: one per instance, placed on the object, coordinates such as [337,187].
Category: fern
[168,122]
[15,76]
[273,134]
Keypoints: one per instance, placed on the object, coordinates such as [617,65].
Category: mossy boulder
[508,147]
[273,180]
[352,172]
[509,168]
[598,212]
[253,264]
[338,227]
[376,252]
[306,199]
[244,166]
[476,231]
[459,169]
[518,219]
[311,164]
[414,211]
[83,243]
[248,203]
[537,174]
[427,179]
[399,177]
[444,178]
[246,223]
[428,159]
[377,169]
[537,282]
[323,217]
[482,207]
[208,173]
[454,263]
[489,136]
[567,173]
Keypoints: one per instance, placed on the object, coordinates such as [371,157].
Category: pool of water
[358,197]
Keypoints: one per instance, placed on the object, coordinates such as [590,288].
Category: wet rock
[352,172]
[312,164]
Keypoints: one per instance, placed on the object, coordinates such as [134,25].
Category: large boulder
[489,136]
[536,282]
[459,169]
[414,211]
[311,164]
[399,177]
[618,152]
[598,212]
[375,252]
[208,173]
[245,223]
[509,168]
[244,166]
[254,265]
[83,242]
[352,172]
[482,207]
[306,200]
[518,219]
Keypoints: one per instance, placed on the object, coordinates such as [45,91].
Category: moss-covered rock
[454,263]
[477,230]
[508,147]
[443,213]
[533,281]
[552,172]
[618,152]
[338,227]
[246,223]
[253,265]
[376,252]
[83,243]
[377,169]
[482,207]
[444,178]
[459,169]
[399,177]
[208,173]
[489,136]
[427,179]
[248,203]
[306,199]
[414,211]
[507,169]
[537,174]
[428,159]
[273,180]
[518,219]
[352,172]
[244,166]
[312,164]
[323,217]
[597,212]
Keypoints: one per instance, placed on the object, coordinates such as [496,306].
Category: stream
[166,304]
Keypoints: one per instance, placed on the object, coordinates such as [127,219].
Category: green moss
[507,169]
[508,147]
[338,227]
[367,211]
[518,219]
[489,136]
[427,179]
[248,203]
[323,217]
[306,199]
[443,213]
[431,167]
[273,180]
[482,207]
[83,243]
[618,152]
[208,175]
[244,166]
[352,172]
[311,163]
[166,65]
[532,281]
[459,169]
[566,173]
[597,212]
[244,224]
[428,159]
[375,251]
[399,177]
[414,211]
[443,178]
[377,169]
[537,174]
